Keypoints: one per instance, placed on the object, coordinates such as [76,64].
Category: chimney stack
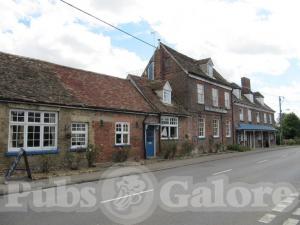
[246,85]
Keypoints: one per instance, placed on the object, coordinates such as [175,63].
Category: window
[249,115]
[167,96]
[32,130]
[79,135]
[122,133]
[210,69]
[271,118]
[201,127]
[241,114]
[265,118]
[215,97]
[228,128]
[257,117]
[200,92]
[215,128]
[150,71]
[169,127]
[227,100]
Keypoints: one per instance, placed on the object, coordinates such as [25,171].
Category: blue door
[150,142]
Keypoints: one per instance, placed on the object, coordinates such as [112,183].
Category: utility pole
[280,119]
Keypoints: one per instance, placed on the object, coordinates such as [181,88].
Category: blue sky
[250,38]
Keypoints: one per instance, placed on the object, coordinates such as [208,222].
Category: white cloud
[55,35]
[244,37]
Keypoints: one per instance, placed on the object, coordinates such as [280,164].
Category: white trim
[210,82]
[228,123]
[25,125]
[85,132]
[203,118]
[218,127]
[122,132]
[169,125]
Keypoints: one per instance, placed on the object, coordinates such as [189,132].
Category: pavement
[255,168]
[17,187]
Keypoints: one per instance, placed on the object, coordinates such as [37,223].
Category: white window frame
[228,128]
[85,132]
[168,126]
[216,128]
[201,127]
[122,132]
[167,96]
[270,119]
[215,97]
[257,117]
[227,100]
[249,115]
[265,118]
[200,93]
[241,112]
[26,124]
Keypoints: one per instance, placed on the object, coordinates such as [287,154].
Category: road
[268,167]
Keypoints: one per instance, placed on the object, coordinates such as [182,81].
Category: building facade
[47,108]
[253,118]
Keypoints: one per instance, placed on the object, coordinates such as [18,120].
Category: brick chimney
[246,85]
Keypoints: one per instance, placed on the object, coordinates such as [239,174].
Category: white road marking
[267,218]
[224,171]
[126,196]
[297,212]
[280,207]
[289,200]
[291,221]
[262,161]
[296,194]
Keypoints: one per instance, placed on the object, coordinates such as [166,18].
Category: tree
[290,126]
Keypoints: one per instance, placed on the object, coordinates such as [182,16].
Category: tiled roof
[235,86]
[193,66]
[256,104]
[31,80]
[148,88]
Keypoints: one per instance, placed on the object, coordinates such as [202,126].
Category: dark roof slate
[148,88]
[31,80]
[193,66]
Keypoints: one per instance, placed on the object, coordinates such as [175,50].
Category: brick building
[253,118]
[52,109]
[47,108]
[198,88]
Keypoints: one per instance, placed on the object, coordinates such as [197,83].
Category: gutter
[78,107]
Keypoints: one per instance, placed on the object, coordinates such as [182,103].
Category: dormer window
[210,69]
[167,94]
[237,93]
[150,71]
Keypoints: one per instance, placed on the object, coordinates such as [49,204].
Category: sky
[258,39]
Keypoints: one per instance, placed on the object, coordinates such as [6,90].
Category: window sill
[168,139]
[122,145]
[216,137]
[32,152]
[79,149]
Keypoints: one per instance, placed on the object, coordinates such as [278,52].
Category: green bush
[290,142]
[91,154]
[120,155]
[238,148]
[187,147]
[168,149]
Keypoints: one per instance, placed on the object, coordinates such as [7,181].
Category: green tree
[290,126]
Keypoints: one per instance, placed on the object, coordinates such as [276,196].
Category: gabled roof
[193,66]
[258,94]
[235,86]
[256,104]
[148,89]
[31,80]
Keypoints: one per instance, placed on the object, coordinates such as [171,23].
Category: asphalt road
[273,169]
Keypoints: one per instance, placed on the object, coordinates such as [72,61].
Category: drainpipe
[232,119]
[144,135]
